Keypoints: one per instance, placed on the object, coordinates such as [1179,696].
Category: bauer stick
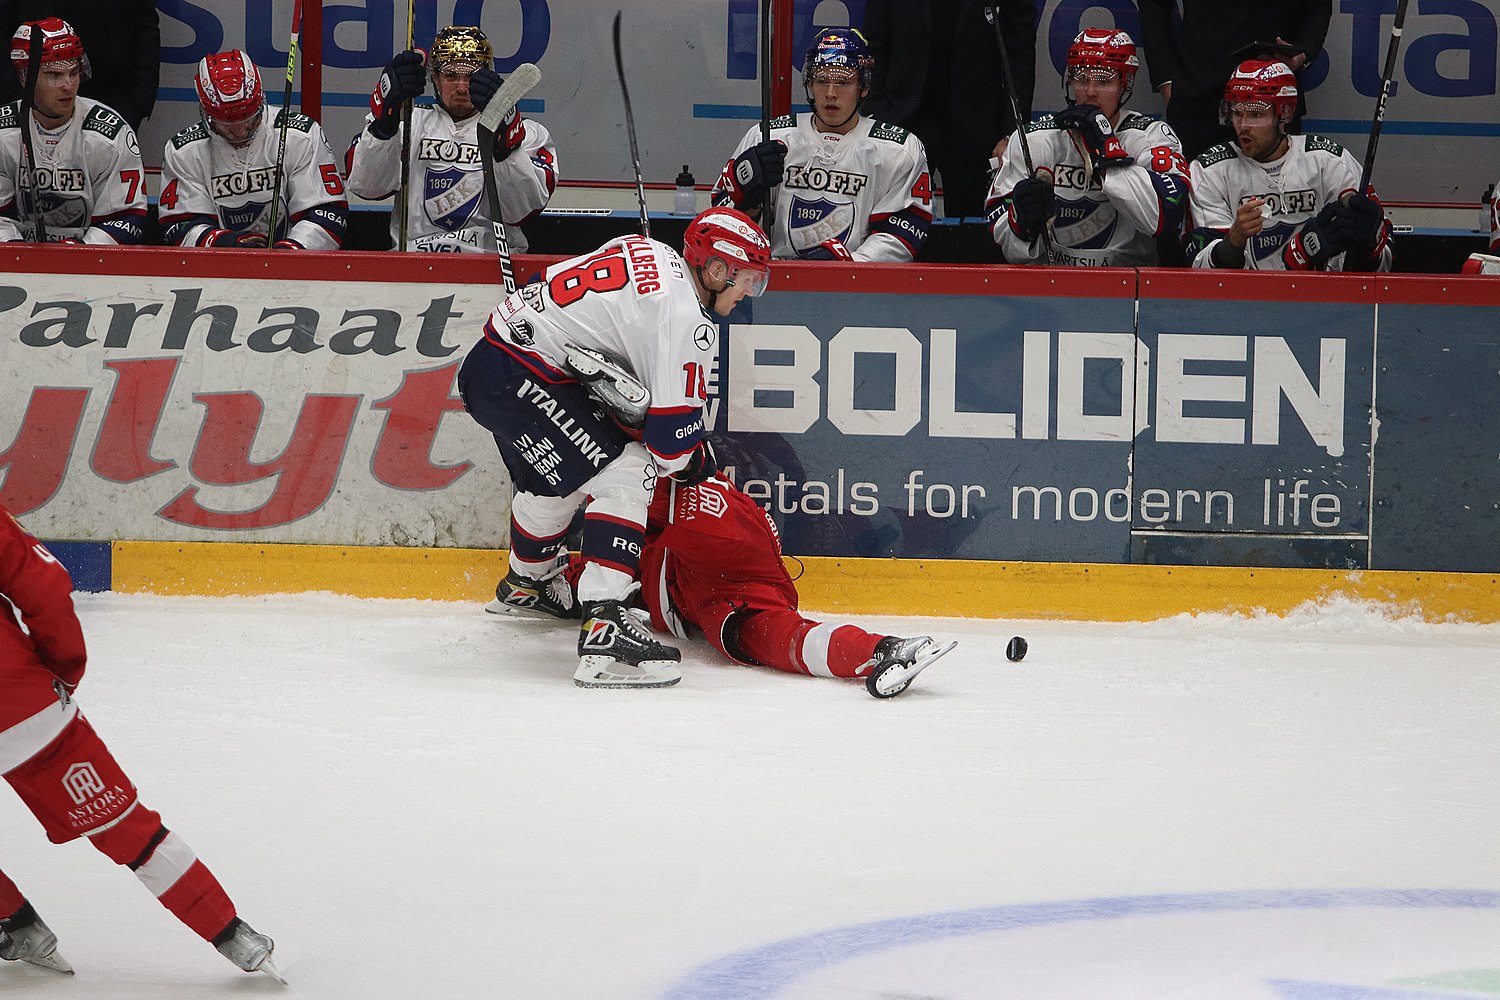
[1385,92]
[635,153]
[516,86]
[992,15]
[33,70]
[286,116]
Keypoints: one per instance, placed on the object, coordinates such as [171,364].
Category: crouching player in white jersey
[61,769]
[446,207]
[1114,180]
[86,184]
[218,176]
[1274,201]
[638,301]
[840,186]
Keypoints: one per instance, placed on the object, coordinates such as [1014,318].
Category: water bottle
[685,198]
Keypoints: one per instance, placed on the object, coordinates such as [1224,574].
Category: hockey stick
[33,70]
[411,42]
[1385,92]
[286,116]
[992,15]
[515,87]
[635,153]
[767,214]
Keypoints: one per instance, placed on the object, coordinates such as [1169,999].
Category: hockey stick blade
[516,86]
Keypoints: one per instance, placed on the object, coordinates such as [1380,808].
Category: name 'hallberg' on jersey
[257,181]
[814,178]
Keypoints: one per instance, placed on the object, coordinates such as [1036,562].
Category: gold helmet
[460,47]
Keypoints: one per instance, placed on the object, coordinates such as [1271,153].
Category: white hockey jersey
[446,208]
[869,189]
[1111,221]
[1314,172]
[90,185]
[634,300]
[207,184]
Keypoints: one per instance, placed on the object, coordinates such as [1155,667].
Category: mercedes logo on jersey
[450,196]
[703,337]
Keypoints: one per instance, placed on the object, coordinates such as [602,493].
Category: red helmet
[60,44]
[230,94]
[1261,81]
[733,237]
[1102,48]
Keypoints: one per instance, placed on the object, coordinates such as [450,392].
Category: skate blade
[599,672]
[499,607]
[269,968]
[892,682]
[54,962]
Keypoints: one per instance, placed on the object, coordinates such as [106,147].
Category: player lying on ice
[66,775]
[711,561]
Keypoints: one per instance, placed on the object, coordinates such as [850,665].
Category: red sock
[787,641]
[11,899]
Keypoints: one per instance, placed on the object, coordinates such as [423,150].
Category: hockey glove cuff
[827,250]
[231,239]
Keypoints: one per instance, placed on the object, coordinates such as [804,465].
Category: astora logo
[82,782]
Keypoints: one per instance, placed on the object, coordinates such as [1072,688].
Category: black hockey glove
[753,172]
[1319,239]
[401,80]
[1098,135]
[702,464]
[1360,220]
[1032,203]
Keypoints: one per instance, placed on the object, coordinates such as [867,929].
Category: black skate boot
[616,651]
[527,597]
[898,661]
[248,949]
[25,938]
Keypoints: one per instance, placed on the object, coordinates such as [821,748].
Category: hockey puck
[1015,650]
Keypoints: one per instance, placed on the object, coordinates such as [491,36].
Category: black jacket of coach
[1198,55]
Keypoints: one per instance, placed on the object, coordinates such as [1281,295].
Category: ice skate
[25,938]
[249,950]
[527,597]
[616,651]
[898,661]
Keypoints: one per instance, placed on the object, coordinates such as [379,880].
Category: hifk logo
[451,196]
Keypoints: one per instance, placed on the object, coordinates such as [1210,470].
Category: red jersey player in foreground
[66,775]
[712,559]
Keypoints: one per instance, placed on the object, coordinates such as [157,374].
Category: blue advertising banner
[936,425]
[1437,456]
[1257,434]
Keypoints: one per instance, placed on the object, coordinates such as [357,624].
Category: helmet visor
[1249,113]
[751,280]
[237,131]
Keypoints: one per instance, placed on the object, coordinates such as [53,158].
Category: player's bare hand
[1248,222]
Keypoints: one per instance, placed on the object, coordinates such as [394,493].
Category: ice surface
[414,800]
